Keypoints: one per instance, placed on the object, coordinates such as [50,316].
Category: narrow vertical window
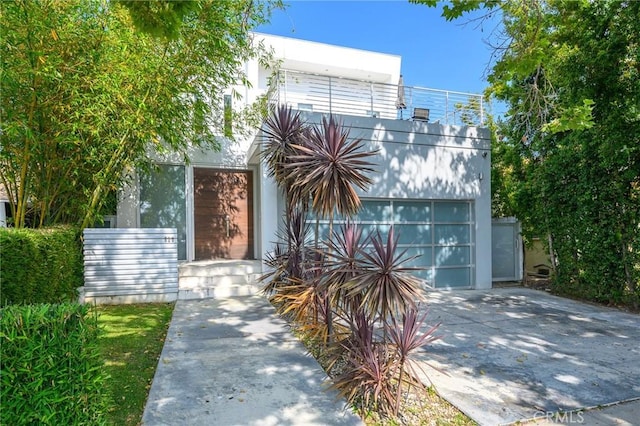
[163,202]
[228,114]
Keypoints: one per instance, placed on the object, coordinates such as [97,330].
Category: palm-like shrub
[343,263]
[304,305]
[406,338]
[377,371]
[365,378]
[385,284]
[287,261]
[293,278]
[377,300]
[277,266]
[282,129]
[287,282]
[355,297]
[328,167]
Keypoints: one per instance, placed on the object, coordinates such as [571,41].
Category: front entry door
[223,222]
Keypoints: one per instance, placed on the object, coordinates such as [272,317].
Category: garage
[440,233]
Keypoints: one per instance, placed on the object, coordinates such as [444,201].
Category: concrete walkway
[515,354]
[234,362]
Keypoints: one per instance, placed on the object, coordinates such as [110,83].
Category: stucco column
[483,229]
[268,212]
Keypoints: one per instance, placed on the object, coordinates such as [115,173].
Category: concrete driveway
[515,354]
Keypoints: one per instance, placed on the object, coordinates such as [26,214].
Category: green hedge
[40,265]
[51,370]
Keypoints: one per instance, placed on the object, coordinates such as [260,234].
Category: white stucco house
[432,180]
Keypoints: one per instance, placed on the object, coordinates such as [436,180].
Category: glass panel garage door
[440,233]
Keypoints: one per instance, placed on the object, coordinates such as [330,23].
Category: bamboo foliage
[86,95]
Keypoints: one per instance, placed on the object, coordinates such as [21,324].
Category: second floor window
[228,116]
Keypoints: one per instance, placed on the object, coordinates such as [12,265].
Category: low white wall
[130,265]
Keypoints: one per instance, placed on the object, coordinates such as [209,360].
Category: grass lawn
[131,342]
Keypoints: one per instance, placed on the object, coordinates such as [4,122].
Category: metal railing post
[278,96]
[446,107]
[285,87]
[330,99]
[371,98]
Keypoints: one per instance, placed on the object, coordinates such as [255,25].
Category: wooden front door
[223,222]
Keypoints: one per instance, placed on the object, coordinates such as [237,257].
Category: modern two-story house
[432,178]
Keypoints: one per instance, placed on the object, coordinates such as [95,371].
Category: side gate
[506,250]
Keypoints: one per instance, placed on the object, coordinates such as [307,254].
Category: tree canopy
[566,158]
[90,87]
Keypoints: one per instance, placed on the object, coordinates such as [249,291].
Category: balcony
[326,94]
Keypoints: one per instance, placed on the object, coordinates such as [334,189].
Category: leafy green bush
[568,168]
[51,371]
[40,265]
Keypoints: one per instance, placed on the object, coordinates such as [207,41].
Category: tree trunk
[552,256]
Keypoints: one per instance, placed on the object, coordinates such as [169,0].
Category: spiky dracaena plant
[386,285]
[372,372]
[373,289]
[365,379]
[328,168]
[277,262]
[292,282]
[283,130]
[289,258]
[344,255]
[406,338]
[304,302]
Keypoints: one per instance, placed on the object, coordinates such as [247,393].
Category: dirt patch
[537,283]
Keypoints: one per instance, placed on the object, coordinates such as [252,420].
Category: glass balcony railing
[326,94]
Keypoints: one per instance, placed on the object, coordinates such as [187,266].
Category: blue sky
[435,53]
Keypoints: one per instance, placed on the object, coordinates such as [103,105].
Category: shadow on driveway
[514,354]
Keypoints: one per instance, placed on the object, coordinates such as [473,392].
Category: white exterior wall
[314,58]
[326,59]
[267,213]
